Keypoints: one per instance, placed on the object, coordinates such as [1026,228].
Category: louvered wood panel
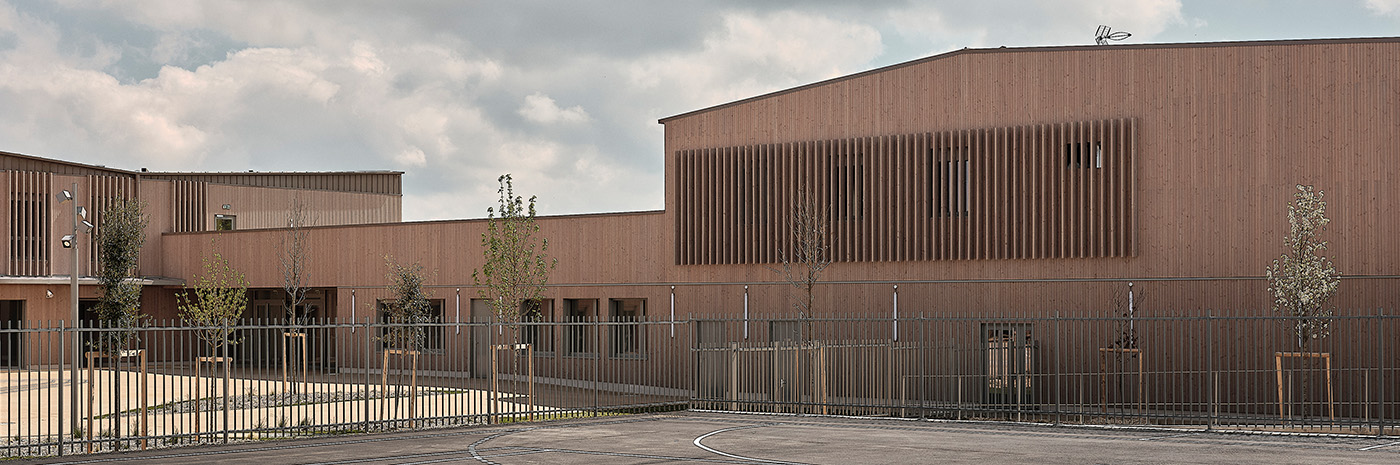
[1043,191]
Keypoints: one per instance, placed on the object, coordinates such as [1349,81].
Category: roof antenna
[1105,34]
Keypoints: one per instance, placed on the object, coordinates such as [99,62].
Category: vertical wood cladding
[1025,192]
[102,191]
[187,205]
[30,230]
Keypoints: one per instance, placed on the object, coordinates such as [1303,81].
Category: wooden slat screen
[102,191]
[187,204]
[30,230]
[1026,192]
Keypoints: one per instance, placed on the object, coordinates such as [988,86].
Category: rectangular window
[788,331]
[1081,154]
[225,222]
[846,194]
[425,334]
[952,186]
[628,340]
[579,337]
[536,324]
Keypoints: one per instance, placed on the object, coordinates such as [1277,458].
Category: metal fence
[332,377]
[326,377]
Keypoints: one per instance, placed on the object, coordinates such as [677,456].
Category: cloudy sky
[563,94]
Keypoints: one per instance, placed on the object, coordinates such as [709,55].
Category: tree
[119,241]
[515,266]
[292,261]
[409,310]
[802,265]
[1302,279]
[220,296]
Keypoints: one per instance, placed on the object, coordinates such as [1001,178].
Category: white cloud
[540,108]
[1384,7]
[951,25]
[755,54]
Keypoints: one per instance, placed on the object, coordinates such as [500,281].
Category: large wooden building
[1028,180]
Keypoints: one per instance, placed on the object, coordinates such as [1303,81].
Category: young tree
[220,296]
[802,265]
[119,241]
[409,310]
[515,266]
[1302,279]
[292,261]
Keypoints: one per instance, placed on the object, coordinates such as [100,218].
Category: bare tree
[802,265]
[292,261]
[1302,279]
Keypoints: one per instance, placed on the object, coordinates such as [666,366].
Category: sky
[564,95]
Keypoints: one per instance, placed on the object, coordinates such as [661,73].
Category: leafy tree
[220,296]
[1302,280]
[802,265]
[409,310]
[119,240]
[515,266]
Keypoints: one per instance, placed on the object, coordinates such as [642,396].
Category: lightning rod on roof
[1105,34]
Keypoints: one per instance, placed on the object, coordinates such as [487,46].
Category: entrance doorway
[11,339]
[1009,361]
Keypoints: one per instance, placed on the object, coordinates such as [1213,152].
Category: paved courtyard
[703,437]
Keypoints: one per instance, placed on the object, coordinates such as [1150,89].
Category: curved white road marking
[732,456]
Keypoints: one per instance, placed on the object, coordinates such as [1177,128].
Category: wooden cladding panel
[187,205]
[102,191]
[30,231]
[1043,191]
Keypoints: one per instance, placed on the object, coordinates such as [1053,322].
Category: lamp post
[71,242]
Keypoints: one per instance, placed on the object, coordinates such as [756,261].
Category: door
[481,338]
[1009,358]
[11,339]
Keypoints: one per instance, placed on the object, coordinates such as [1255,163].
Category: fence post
[1211,376]
[368,350]
[1380,368]
[1057,369]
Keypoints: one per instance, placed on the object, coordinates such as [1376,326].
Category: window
[225,222]
[536,329]
[627,339]
[847,192]
[578,339]
[426,333]
[789,331]
[1077,154]
[952,189]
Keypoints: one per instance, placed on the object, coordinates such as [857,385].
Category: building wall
[1224,132]
[265,207]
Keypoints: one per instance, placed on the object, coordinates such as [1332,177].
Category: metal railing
[279,380]
[171,388]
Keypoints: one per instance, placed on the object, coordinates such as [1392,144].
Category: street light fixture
[70,241]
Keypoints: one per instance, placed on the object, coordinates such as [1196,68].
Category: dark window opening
[579,339]
[846,192]
[423,333]
[536,324]
[627,339]
[952,183]
[1083,155]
